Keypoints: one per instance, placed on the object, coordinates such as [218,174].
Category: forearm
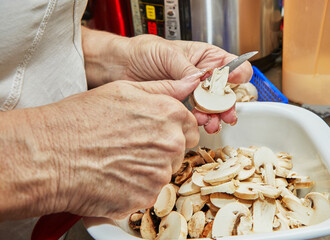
[28,174]
[105,55]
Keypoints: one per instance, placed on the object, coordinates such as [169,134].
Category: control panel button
[172,33]
[170,13]
[150,12]
[152,28]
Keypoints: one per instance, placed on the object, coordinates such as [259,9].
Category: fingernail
[196,75]
[219,129]
[233,123]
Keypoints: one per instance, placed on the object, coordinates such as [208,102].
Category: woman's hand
[106,152]
[149,57]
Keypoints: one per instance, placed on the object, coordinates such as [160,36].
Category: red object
[152,28]
[112,16]
[53,226]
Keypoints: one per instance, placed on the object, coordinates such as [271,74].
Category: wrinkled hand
[117,145]
[152,57]
[148,57]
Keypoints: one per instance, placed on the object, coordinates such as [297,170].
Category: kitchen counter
[78,231]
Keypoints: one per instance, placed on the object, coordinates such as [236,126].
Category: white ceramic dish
[281,127]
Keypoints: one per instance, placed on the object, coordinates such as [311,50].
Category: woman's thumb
[179,89]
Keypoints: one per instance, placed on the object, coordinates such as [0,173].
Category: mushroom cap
[173,226]
[165,200]
[262,156]
[214,99]
[264,160]
[225,222]
[321,207]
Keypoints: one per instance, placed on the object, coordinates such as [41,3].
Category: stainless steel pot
[237,26]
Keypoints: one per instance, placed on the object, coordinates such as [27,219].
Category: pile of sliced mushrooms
[228,191]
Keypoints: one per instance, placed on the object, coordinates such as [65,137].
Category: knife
[235,63]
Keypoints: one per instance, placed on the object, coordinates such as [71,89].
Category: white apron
[41,62]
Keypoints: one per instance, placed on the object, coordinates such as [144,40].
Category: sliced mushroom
[148,226]
[207,154]
[246,191]
[173,226]
[198,178]
[265,161]
[198,201]
[280,223]
[301,182]
[218,154]
[250,191]
[245,226]
[227,219]
[282,172]
[281,182]
[320,206]
[209,215]
[228,187]
[135,221]
[263,215]
[247,169]
[287,164]
[176,187]
[221,199]
[298,211]
[188,188]
[225,172]
[284,155]
[229,152]
[183,173]
[196,224]
[187,209]
[212,207]
[207,232]
[195,160]
[215,98]
[206,167]
[282,215]
[267,190]
[246,92]
[247,151]
[165,201]
[255,178]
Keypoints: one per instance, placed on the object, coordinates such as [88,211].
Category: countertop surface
[78,231]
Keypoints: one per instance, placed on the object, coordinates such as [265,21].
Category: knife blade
[238,61]
[233,64]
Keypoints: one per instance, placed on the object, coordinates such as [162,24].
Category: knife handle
[53,226]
